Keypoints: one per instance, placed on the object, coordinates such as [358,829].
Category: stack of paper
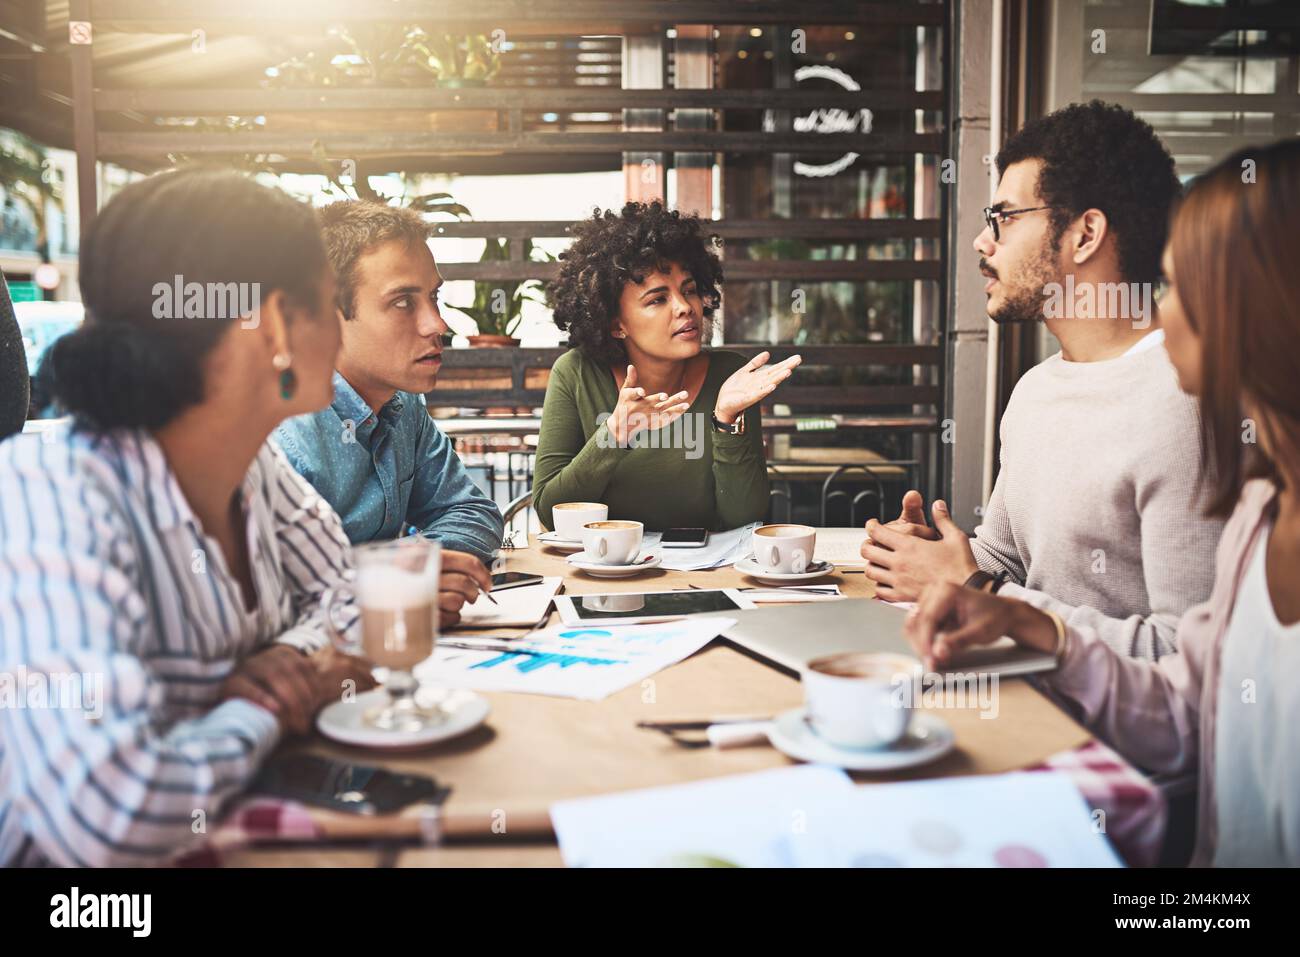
[840,546]
[721,549]
[813,816]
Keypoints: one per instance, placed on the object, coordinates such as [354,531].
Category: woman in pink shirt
[1228,705]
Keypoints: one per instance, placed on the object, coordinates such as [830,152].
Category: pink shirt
[1157,714]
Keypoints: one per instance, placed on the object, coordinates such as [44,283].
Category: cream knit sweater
[1097,512]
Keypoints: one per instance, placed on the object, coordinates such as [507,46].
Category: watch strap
[980,578]
[735,428]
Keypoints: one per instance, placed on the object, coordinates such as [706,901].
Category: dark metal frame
[520,362]
[115,124]
[830,495]
[242,15]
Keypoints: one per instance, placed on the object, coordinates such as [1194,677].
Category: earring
[288,381]
[620,335]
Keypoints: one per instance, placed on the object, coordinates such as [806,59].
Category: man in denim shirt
[374,454]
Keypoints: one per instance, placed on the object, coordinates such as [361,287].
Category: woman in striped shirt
[161,564]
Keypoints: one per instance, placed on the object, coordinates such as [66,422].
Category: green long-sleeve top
[685,475]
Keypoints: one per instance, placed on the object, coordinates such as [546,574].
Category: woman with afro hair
[638,414]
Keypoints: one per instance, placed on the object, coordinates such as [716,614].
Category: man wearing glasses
[1096,514]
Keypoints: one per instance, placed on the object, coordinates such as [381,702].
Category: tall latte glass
[396,599]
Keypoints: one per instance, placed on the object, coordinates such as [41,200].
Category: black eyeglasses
[993,217]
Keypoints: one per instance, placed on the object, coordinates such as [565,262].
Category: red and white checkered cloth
[254,820]
[1134,810]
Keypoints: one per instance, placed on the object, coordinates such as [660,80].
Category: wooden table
[535,750]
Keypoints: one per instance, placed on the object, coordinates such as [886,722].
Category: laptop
[792,635]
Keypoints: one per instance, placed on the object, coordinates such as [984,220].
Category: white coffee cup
[569,517]
[786,549]
[612,542]
[860,699]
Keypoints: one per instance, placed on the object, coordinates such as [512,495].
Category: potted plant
[426,204]
[390,55]
[498,305]
[461,61]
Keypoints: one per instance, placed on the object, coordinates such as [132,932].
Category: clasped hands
[293,686]
[906,555]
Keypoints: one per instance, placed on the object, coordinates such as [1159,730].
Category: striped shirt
[119,620]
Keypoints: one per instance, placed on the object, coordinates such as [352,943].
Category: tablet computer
[630,608]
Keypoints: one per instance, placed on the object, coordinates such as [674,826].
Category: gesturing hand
[911,520]
[463,577]
[637,411]
[751,382]
[949,618]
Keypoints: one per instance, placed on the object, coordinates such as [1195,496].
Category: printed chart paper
[578,661]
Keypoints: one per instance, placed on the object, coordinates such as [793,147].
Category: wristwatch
[735,428]
[980,578]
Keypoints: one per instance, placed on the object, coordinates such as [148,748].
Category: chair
[15,383]
[829,496]
[516,506]
[779,495]
[521,503]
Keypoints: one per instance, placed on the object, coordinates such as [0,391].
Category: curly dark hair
[1100,156]
[610,250]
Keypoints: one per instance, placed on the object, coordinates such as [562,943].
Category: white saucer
[597,570]
[342,720]
[753,569]
[553,540]
[928,737]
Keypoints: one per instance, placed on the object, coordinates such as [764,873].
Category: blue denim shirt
[386,472]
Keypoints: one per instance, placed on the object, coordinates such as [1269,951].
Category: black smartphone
[503,580]
[684,538]
[354,788]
